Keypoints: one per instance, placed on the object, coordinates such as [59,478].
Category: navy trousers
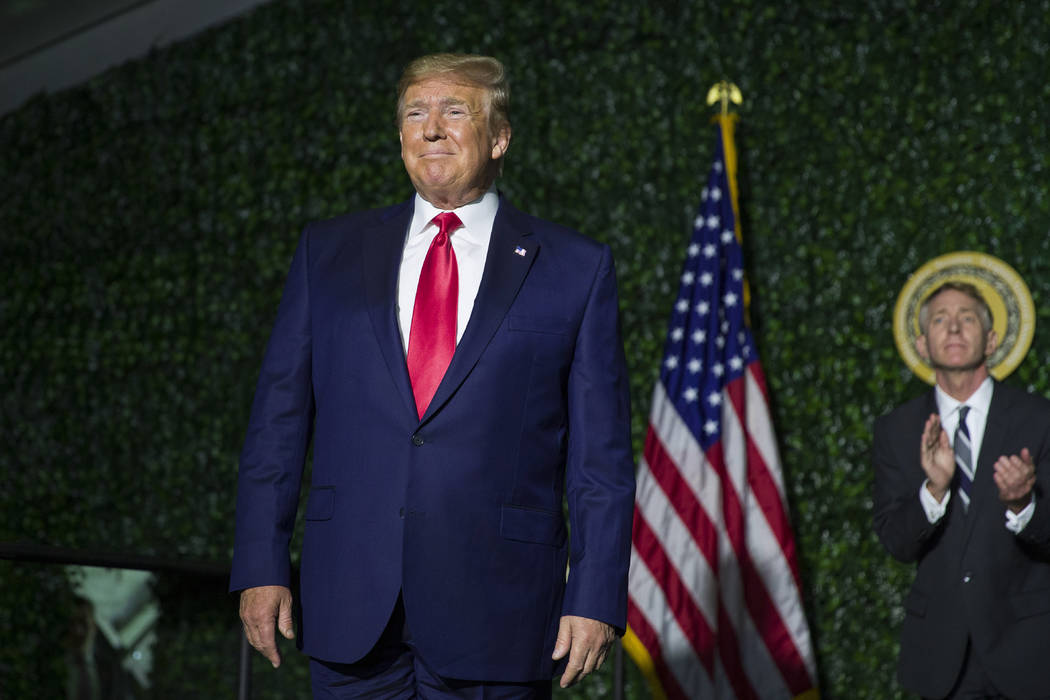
[393,670]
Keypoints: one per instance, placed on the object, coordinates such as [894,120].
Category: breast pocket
[551,325]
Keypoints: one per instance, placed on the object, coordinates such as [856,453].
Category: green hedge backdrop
[147,220]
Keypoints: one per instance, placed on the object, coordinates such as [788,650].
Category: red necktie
[432,338]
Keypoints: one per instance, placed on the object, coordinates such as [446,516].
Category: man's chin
[962,366]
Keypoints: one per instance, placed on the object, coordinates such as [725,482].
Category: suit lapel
[512,251]
[382,250]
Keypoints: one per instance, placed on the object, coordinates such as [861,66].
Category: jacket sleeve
[278,436]
[900,521]
[1036,534]
[600,466]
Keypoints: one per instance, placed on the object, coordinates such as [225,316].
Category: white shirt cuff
[934,510]
[1015,522]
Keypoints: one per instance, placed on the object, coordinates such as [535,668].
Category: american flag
[715,607]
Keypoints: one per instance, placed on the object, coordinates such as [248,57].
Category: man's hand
[260,608]
[586,642]
[1015,477]
[937,457]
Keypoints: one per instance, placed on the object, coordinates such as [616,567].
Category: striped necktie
[963,459]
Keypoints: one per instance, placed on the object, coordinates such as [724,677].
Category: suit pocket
[1029,604]
[321,503]
[532,525]
[915,603]
[538,324]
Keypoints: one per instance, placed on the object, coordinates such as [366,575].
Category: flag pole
[724,92]
[706,618]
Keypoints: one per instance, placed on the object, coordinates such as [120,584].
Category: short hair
[984,312]
[482,71]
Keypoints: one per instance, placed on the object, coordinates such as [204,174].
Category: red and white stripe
[714,584]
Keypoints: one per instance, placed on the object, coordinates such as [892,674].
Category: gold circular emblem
[1013,313]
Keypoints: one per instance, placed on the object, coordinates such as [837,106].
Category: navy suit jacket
[462,511]
[975,578]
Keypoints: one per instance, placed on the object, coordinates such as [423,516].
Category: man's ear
[991,342]
[920,347]
[501,143]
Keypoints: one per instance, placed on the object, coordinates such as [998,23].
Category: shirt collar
[980,400]
[477,216]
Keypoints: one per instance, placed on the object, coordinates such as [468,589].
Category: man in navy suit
[459,378]
[961,478]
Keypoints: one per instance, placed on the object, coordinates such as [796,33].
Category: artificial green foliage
[147,219]
[43,630]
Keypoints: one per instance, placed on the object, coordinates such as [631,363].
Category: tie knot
[447,222]
[963,411]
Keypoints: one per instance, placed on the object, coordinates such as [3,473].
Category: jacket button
[417,439]
[402,512]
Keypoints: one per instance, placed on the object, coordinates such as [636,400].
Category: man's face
[447,146]
[953,338]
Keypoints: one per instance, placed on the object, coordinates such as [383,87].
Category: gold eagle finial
[724,92]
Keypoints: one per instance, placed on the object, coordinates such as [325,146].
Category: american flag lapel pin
[518,250]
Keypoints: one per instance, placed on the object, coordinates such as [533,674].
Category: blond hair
[482,71]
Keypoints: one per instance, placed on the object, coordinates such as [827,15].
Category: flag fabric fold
[715,607]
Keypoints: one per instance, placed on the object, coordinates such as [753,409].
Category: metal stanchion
[618,672]
[244,676]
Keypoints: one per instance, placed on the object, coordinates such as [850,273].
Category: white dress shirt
[948,408]
[470,244]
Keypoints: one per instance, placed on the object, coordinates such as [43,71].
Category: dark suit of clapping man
[977,619]
[435,553]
